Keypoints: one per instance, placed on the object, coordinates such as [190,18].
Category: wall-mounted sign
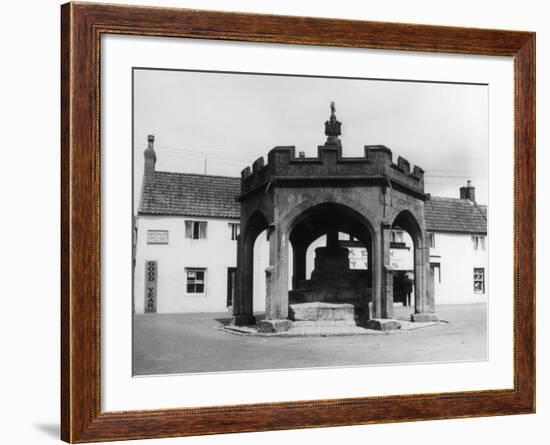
[157,237]
[150,286]
[358,258]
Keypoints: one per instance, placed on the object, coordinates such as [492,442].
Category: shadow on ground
[224,321]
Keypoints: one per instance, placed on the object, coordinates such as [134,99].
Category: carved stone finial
[333,128]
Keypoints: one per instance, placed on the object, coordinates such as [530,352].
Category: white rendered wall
[403,259]
[261,261]
[458,258]
[216,254]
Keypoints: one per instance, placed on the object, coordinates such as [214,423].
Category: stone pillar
[298,263]
[242,303]
[277,301]
[332,238]
[430,291]
[387,273]
[268,288]
[376,264]
[424,309]
[430,284]
[419,280]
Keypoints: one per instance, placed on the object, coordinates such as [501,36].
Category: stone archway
[332,280]
[243,304]
[424,309]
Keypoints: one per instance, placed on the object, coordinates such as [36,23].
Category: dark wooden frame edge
[82,25]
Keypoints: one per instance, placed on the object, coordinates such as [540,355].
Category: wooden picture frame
[82,26]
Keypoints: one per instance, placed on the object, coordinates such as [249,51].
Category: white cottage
[458,253]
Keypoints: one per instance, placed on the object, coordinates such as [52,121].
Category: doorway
[231,279]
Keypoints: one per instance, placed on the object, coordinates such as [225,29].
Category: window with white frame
[479,280]
[431,240]
[396,236]
[195,229]
[196,280]
[478,242]
[234,230]
[436,269]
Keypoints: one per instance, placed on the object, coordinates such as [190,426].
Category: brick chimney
[468,192]
[150,158]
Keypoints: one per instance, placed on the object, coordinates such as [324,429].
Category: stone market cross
[299,199]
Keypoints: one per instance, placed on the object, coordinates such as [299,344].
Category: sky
[222,122]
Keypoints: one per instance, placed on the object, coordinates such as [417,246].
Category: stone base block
[424,318]
[383,324]
[243,320]
[321,311]
[269,326]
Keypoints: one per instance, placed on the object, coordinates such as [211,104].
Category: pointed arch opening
[251,256]
[406,253]
[332,257]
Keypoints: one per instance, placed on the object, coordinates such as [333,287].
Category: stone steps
[320,311]
[327,328]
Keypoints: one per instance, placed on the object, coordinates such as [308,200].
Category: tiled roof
[214,196]
[191,195]
[455,215]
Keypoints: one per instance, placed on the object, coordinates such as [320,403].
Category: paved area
[184,343]
[328,328]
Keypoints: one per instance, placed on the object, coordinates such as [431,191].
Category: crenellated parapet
[376,165]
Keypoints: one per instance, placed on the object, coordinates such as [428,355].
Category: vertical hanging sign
[151,286]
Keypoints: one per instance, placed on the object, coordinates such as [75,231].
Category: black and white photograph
[293,222]
[276,222]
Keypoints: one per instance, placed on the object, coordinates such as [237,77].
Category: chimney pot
[468,192]
[302,154]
